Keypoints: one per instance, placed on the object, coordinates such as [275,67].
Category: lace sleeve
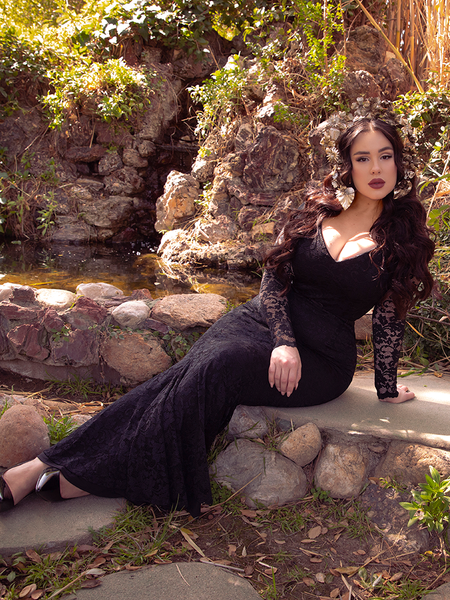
[388,331]
[275,309]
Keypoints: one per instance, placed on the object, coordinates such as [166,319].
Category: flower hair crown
[368,109]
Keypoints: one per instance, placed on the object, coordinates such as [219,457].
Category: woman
[292,345]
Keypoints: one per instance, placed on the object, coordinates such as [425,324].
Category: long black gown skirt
[151,445]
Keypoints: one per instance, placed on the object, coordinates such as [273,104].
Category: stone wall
[98,333]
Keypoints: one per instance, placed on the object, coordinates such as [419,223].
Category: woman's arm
[388,331]
[285,364]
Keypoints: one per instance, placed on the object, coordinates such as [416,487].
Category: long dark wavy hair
[403,239]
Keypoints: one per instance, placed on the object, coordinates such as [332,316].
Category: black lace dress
[151,445]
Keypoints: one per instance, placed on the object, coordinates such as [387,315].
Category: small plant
[180,344]
[430,507]
[58,429]
[62,334]
[46,215]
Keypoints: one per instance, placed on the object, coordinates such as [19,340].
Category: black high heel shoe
[47,486]
[6,497]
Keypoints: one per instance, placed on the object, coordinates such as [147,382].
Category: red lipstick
[377,184]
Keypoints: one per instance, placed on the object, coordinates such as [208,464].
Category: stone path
[35,523]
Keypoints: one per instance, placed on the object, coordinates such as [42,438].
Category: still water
[128,267]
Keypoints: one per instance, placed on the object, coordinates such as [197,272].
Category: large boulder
[23,435]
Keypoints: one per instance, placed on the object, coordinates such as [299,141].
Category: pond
[127,266]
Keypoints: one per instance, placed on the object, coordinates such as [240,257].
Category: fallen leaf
[280,542]
[320,577]
[88,548]
[231,549]
[335,593]
[333,550]
[155,551]
[396,577]
[37,594]
[308,581]
[27,590]
[334,572]
[436,374]
[360,552]
[324,530]
[385,574]
[157,561]
[346,596]
[190,533]
[248,571]
[249,513]
[314,532]
[315,560]
[346,570]
[244,551]
[100,560]
[34,556]
[307,541]
[184,533]
[97,572]
[108,546]
[270,571]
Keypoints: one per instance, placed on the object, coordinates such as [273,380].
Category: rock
[270,479]
[440,593]
[14,312]
[98,290]
[178,201]
[131,314]
[358,84]
[220,229]
[124,182]
[272,163]
[146,148]
[85,154]
[23,435]
[132,158]
[76,348]
[57,299]
[409,463]
[365,50]
[135,357]
[111,212]
[302,445]
[341,470]
[29,340]
[110,162]
[85,314]
[394,78]
[23,294]
[6,290]
[248,422]
[184,311]
[70,229]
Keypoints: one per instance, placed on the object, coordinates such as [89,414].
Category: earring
[404,186]
[344,195]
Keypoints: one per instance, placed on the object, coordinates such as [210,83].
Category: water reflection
[128,267]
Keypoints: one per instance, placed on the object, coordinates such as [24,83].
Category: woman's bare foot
[403,395]
[22,480]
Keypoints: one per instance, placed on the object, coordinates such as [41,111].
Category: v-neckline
[338,262]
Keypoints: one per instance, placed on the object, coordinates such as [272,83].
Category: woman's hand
[403,395]
[285,369]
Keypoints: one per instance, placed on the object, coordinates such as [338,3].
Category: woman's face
[374,172]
